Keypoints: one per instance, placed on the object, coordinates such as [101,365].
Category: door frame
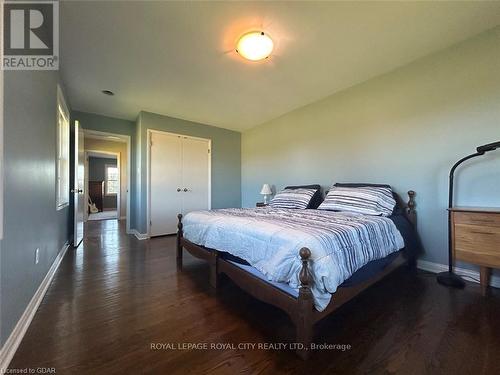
[119,195]
[150,133]
[122,138]
[76,186]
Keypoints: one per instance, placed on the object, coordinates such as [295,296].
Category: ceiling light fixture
[255,46]
[108,92]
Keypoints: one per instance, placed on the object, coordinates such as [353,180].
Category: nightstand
[261,204]
[475,235]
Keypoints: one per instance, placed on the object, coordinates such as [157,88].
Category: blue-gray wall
[405,128]
[97,172]
[226,160]
[31,218]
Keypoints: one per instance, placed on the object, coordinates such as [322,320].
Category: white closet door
[195,174]
[166,179]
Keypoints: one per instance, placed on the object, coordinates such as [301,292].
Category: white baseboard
[139,236]
[469,275]
[17,334]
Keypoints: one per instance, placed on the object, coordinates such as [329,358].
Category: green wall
[31,219]
[92,121]
[405,128]
[226,159]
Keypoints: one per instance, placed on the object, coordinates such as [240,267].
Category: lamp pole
[449,278]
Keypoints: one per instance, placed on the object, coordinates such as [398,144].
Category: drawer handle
[486,233]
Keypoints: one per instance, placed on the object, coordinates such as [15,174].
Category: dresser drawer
[477,244]
[477,218]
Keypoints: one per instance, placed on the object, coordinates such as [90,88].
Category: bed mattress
[269,240]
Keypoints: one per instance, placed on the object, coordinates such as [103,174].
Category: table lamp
[266,190]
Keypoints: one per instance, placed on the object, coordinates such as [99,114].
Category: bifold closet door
[165,181]
[195,174]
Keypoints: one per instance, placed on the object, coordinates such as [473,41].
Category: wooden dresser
[476,238]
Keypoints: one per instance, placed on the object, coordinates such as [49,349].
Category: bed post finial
[411,202]
[304,275]
[304,313]
[410,211]
[179,245]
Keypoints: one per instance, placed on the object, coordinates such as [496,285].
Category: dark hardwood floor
[115,296]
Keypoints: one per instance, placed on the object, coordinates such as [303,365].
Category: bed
[267,253]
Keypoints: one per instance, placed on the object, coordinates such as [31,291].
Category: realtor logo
[30,35]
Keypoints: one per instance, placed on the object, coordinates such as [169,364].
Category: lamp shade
[266,190]
[255,46]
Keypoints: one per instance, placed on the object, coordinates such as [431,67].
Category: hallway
[105,215]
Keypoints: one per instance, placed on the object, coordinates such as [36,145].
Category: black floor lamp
[449,278]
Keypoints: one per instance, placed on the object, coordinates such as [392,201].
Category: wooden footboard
[254,286]
[301,309]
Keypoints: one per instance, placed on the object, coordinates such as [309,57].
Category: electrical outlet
[37,255]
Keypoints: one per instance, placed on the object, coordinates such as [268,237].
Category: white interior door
[78,189]
[195,174]
[165,183]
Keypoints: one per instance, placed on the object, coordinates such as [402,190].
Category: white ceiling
[177,58]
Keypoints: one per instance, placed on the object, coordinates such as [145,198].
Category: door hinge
[209,151]
[151,142]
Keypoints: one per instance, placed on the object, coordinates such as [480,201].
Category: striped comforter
[270,239]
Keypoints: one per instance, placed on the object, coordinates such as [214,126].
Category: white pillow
[368,200]
[292,198]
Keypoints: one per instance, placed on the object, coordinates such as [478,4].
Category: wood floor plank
[115,296]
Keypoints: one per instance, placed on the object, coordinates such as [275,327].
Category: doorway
[107,177]
[103,185]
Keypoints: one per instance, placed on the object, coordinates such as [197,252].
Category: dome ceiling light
[255,46]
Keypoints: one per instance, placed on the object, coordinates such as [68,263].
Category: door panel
[195,174]
[165,179]
[78,190]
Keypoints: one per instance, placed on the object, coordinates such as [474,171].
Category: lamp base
[450,279]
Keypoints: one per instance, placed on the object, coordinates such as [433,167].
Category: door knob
[178,189]
[185,189]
